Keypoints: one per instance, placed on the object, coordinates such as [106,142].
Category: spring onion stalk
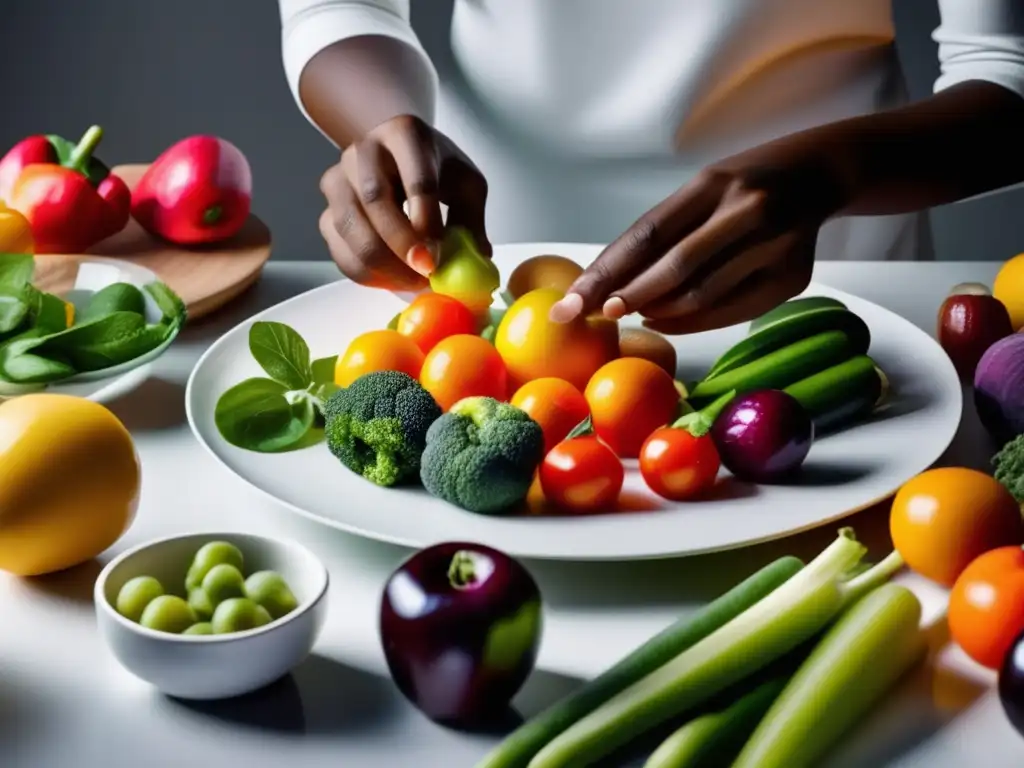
[857,661]
[795,612]
[717,737]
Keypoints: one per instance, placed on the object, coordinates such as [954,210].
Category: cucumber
[521,745]
[717,737]
[786,328]
[780,368]
[840,394]
[793,307]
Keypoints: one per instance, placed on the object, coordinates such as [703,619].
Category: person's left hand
[725,248]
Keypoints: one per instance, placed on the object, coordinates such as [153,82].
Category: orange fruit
[463,366]
[553,403]
[1009,289]
[534,347]
[944,518]
[378,351]
[629,398]
[545,271]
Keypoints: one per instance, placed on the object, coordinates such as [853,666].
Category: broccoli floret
[482,455]
[1009,464]
[377,426]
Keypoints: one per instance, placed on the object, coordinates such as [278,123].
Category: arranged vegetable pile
[44,340]
[218,599]
[484,406]
[56,196]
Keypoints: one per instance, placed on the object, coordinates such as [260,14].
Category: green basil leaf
[110,340]
[16,271]
[323,370]
[170,304]
[47,311]
[116,297]
[282,353]
[13,312]
[18,364]
[256,414]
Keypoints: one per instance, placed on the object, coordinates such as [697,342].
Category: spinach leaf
[16,271]
[13,312]
[282,353]
[116,297]
[47,312]
[170,304]
[258,415]
[97,344]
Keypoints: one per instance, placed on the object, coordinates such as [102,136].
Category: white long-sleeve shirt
[584,113]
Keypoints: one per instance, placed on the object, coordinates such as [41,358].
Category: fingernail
[614,308]
[421,259]
[566,309]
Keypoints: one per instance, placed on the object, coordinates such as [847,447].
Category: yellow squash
[69,482]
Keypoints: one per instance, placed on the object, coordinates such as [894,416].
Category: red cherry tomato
[986,605]
[432,317]
[582,474]
[678,466]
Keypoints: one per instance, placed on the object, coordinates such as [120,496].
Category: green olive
[269,589]
[202,628]
[168,613]
[201,603]
[237,614]
[136,594]
[209,555]
[223,582]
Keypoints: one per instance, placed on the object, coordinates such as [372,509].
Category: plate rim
[410,543]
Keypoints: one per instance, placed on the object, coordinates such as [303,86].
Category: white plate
[106,385]
[844,472]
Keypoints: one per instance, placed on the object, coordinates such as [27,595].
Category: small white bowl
[213,666]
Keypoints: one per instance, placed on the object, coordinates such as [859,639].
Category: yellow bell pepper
[15,232]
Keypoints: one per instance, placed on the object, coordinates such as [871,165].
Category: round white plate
[94,273]
[844,472]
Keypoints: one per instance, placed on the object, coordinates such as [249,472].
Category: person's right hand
[370,237]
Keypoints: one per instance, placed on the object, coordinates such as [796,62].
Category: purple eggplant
[763,436]
[1011,685]
[460,625]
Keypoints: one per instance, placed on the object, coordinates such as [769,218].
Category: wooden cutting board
[206,278]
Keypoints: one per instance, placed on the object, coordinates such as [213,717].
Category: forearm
[356,84]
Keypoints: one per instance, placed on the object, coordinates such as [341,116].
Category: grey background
[154,71]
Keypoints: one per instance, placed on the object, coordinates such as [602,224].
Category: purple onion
[763,436]
[999,388]
[460,625]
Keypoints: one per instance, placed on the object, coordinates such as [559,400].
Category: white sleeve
[981,40]
[309,26]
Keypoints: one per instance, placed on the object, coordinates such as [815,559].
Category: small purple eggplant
[763,436]
[460,625]
[1011,685]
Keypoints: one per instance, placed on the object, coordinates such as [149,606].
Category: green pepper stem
[462,570]
[212,214]
[699,423]
[82,153]
[584,428]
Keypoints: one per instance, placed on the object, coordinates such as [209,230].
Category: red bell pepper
[70,198]
[197,192]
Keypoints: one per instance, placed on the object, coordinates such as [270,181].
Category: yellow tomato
[69,482]
[1009,289]
[378,351]
[533,347]
[546,271]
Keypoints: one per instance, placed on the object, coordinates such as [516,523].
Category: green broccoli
[482,455]
[1009,464]
[377,426]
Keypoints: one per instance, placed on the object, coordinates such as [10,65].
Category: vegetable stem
[792,614]
[462,570]
[699,423]
[82,152]
[873,577]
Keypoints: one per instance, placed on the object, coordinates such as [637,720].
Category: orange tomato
[944,518]
[432,317]
[547,271]
[555,404]
[629,398]
[533,347]
[378,351]
[986,606]
[463,366]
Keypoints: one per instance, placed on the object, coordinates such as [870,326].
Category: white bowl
[213,666]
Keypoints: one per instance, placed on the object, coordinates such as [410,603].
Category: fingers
[464,190]
[638,247]
[719,282]
[415,157]
[695,254]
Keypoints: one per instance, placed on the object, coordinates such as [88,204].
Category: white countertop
[65,703]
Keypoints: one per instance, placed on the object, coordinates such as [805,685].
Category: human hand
[370,237]
[725,248]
